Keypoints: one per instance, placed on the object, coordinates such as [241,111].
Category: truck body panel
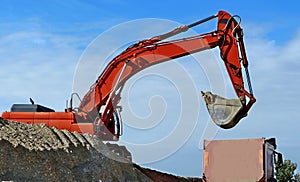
[237,160]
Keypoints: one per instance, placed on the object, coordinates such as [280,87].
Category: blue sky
[42,42]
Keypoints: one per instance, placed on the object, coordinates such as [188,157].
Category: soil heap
[35,152]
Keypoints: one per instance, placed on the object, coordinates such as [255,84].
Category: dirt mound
[38,153]
[165,177]
[35,152]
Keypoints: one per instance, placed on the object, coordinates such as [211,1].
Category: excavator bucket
[225,113]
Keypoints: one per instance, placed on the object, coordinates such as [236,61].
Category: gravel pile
[35,152]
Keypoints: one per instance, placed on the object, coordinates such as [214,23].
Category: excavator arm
[105,93]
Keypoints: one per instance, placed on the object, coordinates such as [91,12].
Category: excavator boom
[105,94]
[228,37]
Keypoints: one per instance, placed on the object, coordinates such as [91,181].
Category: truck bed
[233,160]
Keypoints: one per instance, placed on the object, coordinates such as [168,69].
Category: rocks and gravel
[35,152]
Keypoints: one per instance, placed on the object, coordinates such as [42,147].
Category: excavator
[99,113]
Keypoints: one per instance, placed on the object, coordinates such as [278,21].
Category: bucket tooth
[225,113]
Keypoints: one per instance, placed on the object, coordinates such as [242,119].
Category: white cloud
[275,73]
[39,65]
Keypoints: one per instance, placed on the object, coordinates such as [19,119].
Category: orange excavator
[99,113]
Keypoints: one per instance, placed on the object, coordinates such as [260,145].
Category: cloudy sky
[44,44]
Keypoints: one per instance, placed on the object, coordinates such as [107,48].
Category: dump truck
[244,160]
